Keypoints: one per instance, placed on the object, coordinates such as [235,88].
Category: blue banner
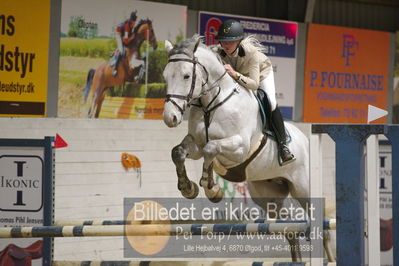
[278,37]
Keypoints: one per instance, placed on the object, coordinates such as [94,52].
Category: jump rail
[329,224]
[152,230]
[140,263]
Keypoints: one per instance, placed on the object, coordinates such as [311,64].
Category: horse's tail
[89,81]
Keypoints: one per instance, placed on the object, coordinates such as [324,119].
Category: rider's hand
[230,70]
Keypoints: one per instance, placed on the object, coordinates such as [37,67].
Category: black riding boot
[116,59]
[279,129]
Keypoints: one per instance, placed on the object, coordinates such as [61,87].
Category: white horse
[225,128]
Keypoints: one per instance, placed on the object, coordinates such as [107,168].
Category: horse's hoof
[192,193]
[216,199]
[217,196]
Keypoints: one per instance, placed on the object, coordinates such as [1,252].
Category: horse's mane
[141,22]
[186,47]
[251,40]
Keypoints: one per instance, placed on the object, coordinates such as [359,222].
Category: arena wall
[91,183]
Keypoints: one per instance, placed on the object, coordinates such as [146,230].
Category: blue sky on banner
[279,37]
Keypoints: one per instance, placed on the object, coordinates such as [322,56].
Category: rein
[189,99]
[207,112]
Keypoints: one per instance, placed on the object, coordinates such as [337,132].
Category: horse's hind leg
[186,148]
[100,101]
[270,195]
[327,246]
[295,247]
[326,235]
[300,192]
[96,102]
[92,106]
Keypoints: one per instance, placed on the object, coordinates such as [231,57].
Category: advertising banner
[112,57]
[25,199]
[182,228]
[279,37]
[346,70]
[24,45]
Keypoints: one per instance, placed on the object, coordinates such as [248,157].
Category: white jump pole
[373,201]
[315,180]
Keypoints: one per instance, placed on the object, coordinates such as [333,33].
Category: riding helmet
[133,16]
[230,30]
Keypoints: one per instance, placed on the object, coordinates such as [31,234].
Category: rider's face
[230,47]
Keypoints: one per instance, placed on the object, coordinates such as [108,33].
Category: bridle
[189,97]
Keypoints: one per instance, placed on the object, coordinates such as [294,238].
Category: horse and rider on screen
[126,63]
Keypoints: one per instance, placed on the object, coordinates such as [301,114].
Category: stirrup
[114,72]
[280,159]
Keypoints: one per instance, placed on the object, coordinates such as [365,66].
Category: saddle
[18,256]
[386,234]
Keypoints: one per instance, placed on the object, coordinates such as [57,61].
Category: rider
[124,34]
[251,68]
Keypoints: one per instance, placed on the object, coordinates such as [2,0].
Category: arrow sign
[59,142]
[375,113]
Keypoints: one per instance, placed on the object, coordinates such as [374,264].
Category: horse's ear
[196,45]
[168,46]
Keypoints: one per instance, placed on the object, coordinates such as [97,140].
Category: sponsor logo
[349,47]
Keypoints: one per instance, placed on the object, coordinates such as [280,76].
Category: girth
[238,173]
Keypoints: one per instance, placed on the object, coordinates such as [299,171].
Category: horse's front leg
[232,148]
[187,148]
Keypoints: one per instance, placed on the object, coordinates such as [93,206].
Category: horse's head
[185,76]
[145,31]
[142,32]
